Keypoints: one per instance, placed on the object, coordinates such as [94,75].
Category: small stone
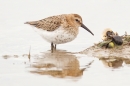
[111,45]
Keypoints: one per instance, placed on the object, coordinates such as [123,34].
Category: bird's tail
[31,22]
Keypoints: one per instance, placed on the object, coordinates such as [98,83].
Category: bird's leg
[52,46]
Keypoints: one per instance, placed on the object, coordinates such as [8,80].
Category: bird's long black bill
[83,26]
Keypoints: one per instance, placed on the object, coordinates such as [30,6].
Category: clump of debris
[112,45]
[113,50]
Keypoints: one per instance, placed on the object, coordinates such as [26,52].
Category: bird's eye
[77,20]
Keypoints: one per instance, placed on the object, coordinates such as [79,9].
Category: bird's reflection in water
[58,64]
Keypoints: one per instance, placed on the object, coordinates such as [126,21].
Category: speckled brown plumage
[49,24]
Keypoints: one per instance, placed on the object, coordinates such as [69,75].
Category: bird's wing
[49,24]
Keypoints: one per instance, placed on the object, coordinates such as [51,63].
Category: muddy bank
[109,47]
[95,51]
[113,56]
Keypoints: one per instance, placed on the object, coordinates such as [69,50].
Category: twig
[90,63]
[29,56]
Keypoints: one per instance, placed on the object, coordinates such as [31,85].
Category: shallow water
[63,67]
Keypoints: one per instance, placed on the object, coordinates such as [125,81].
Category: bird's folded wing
[49,24]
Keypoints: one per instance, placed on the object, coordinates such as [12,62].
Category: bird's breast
[59,36]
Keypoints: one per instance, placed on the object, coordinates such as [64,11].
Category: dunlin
[59,29]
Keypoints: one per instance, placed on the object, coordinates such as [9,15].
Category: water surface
[72,69]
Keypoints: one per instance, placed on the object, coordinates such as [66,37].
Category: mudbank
[111,55]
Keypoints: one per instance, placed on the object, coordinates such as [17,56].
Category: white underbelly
[59,36]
